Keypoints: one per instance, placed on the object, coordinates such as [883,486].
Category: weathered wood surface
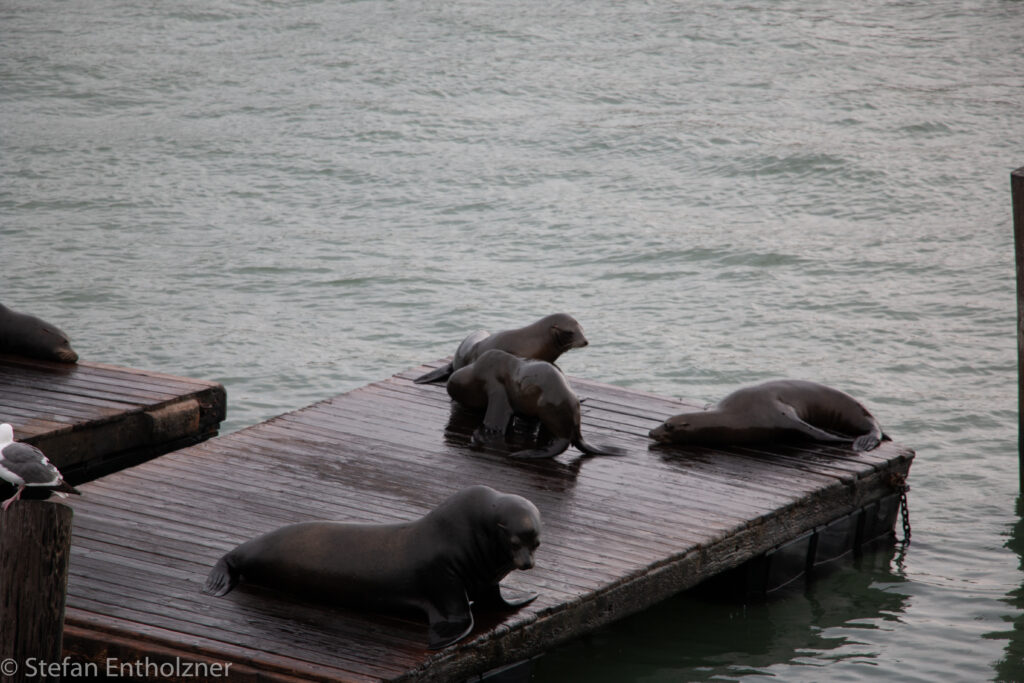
[91,418]
[620,533]
[1017,196]
[35,537]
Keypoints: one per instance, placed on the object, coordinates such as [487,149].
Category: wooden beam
[1017,189]
[35,540]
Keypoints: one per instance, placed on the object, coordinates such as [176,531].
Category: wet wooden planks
[92,418]
[619,533]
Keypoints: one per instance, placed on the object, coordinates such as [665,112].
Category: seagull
[25,465]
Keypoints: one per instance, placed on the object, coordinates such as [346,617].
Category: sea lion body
[503,385]
[776,410]
[458,552]
[27,335]
[545,339]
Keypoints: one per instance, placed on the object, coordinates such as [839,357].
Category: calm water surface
[296,199]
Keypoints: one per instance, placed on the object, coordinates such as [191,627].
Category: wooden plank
[93,418]
[620,533]
[1017,199]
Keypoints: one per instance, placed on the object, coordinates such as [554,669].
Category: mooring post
[35,541]
[1017,190]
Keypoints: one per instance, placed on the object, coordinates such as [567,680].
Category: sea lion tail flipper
[221,580]
[435,375]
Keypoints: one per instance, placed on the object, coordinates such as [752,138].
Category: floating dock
[91,419]
[620,533]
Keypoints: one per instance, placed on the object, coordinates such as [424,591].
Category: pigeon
[25,465]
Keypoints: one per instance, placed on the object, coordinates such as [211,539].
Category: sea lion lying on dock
[27,335]
[775,411]
[546,339]
[503,385]
[455,554]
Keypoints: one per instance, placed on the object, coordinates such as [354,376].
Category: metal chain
[899,482]
[905,511]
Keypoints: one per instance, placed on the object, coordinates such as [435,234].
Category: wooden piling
[35,540]
[1017,189]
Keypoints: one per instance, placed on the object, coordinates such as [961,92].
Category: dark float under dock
[620,533]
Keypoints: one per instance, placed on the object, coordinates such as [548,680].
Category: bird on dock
[24,465]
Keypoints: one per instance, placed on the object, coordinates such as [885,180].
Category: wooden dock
[91,418]
[620,533]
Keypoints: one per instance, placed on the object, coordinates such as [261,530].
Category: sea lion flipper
[435,375]
[496,596]
[556,447]
[799,424]
[515,598]
[499,411]
[591,449]
[221,580]
[450,622]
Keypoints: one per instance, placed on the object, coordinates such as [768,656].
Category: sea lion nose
[524,559]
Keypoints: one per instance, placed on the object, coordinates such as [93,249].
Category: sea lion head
[695,427]
[28,335]
[519,523]
[566,332]
[60,345]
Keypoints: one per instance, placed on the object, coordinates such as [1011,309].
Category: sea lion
[27,335]
[503,385]
[546,339]
[776,410]
[455,554]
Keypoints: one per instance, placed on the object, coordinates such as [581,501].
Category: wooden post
[35,540]
[1017,190]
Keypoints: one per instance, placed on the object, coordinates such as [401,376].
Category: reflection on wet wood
[620,533]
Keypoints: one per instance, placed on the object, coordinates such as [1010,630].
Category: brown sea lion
[503,385]
[546,339]
[27,335]
[457,553]
[774,411]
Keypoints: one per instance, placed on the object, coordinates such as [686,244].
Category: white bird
[25,465]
